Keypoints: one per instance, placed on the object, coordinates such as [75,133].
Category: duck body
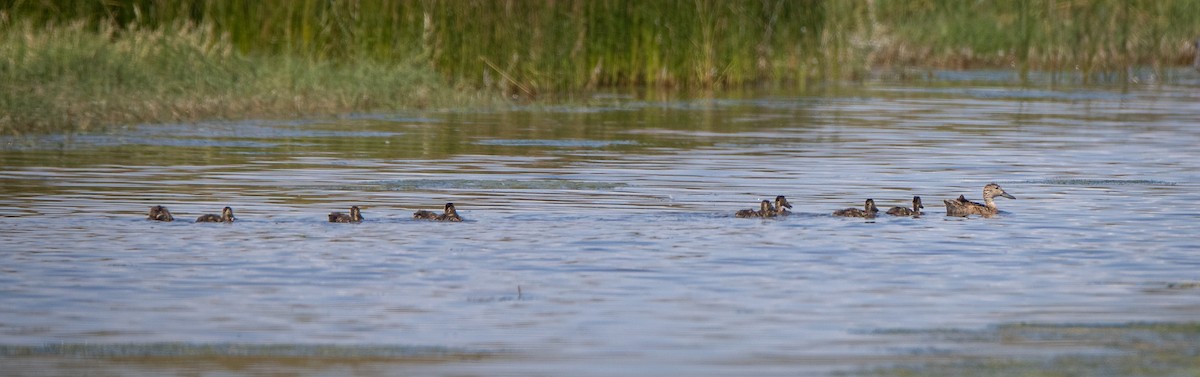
[160,213]
[765,210]
[355,216]
[962,207]
[903,211]
[869,210]
[225,217]
[425,215]
[449,214]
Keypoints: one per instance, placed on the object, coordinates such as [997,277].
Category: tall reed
[78,76]
[533,46]
[523,46]
[92,54]
[1088,36]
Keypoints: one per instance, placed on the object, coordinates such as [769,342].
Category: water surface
[600,239]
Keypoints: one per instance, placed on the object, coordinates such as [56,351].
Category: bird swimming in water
[904,211]
[781,206]
[765,210]
[962,207]
[355,216]
[448,214]
[160,213]
[225,217]
[868,210]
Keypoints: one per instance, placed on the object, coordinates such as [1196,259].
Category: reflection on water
[602,238]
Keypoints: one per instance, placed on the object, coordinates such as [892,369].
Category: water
[600,240]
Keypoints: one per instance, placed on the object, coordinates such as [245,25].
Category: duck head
[781,202]
[355,213]
[160,213]
[765,207]
[870,206]
[450,209]
[993,190]
[917,203]
[227,214]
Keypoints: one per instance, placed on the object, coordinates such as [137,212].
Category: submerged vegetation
[1131,349]
[80,64]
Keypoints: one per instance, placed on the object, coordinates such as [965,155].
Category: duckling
[902,211]
[425,215]
[962,207]
[450,214]
[226,217]
[355,216]
[765,210]
[160,213]
[868,210]
[780,203]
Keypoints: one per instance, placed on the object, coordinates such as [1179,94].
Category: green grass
[66,77]
[1088,36]
[76,65]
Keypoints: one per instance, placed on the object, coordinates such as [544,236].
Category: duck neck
[989,202]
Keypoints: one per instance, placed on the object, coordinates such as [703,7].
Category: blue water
[601,240]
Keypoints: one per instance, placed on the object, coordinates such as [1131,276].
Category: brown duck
[355,216]
[449,214]
[160,213]
[225,217]
[869,210]
[903,211]
[765,210]
[962,207]
[781,206]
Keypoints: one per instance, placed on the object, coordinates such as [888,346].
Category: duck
[904,211]
[780,204]
[962,207]
[355,216]
[449,214]
[869,210]
[160,213]
[765,210]
[225,217]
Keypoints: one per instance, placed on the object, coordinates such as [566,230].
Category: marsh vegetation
[79,65]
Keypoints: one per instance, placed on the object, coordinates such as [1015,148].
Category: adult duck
[869,210]
[903,211]
[962,207]
[225,217]
[355,216]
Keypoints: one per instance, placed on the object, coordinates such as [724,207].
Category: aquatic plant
[78,64]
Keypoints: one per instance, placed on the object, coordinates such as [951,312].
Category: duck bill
[1006,195]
